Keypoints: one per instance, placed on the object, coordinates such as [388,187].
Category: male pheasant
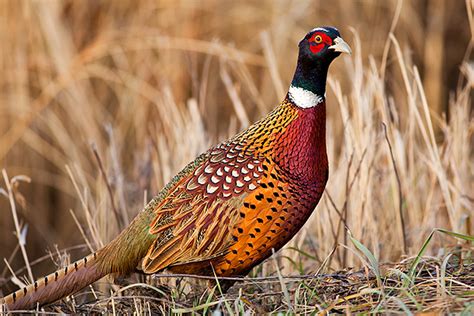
[226,210]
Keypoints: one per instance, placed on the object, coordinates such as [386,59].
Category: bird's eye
[318,39]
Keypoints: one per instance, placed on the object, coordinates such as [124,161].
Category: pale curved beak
[341,46]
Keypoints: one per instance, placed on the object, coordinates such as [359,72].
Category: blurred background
[102,102]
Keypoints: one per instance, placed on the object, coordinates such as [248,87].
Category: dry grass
[438,285]
[102,102]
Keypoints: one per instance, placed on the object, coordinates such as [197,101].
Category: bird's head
[316,52]
[323,44]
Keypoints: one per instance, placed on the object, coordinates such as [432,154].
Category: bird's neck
[301,149]
[311,76]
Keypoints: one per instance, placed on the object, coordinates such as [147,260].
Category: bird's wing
[194,220]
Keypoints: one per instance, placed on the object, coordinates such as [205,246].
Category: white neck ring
[304,98]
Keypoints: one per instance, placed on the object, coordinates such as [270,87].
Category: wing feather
[201,208]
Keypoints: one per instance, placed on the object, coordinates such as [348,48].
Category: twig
[282,283]
[81,230]
[269,54]
[87,212]
[239,108]
[396,16]
[326,260]
[17,224]
[288,278]
[118,218]
[400,195]
[331,223]
[336,234]
[12,255]
[14,278]
[343,219]
[344,210]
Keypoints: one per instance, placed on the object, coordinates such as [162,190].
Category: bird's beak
[340,46]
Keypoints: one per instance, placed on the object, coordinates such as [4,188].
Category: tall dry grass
[102,102]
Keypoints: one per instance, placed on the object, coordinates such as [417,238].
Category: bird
[234,205]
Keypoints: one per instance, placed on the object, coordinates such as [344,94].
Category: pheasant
[227,210]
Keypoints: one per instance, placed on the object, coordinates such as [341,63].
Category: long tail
[120,256]
[57,285]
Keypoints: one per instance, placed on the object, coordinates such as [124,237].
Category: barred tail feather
[57,285]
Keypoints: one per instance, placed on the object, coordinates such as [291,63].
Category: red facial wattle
[318,41]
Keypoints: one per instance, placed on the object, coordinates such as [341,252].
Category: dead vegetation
[102,103]
[415,285]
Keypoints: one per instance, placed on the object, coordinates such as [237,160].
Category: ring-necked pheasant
[233,204]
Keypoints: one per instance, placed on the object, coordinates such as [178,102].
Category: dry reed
[101,103]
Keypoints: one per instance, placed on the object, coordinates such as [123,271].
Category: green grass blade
[374,265]
[417,260]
